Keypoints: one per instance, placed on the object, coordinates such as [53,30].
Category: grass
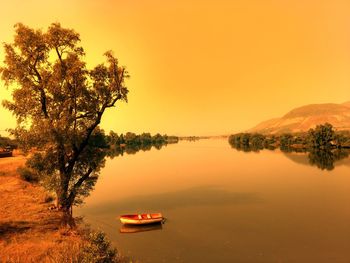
[9,165]
[31,232]
[27,174]
[27,227]
[92,247]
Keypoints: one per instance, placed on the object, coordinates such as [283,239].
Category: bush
[98,249]
[28,175]
[91,247]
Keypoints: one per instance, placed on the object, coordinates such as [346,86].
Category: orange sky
[204,67]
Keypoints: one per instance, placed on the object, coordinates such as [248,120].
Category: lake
[224,205]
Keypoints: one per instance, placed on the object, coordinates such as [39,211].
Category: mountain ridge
[303,118]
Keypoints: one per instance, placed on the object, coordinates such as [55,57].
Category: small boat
[141,219]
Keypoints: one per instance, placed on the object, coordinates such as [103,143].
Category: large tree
[59,104]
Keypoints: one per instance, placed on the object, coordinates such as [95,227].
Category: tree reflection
[120,150]
[97,153]
[325,159]
[247,148]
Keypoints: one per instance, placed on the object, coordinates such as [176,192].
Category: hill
[303,118]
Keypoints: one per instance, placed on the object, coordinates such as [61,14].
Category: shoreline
[30,231]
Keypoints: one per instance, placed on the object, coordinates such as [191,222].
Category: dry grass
[29,231]
[9,165]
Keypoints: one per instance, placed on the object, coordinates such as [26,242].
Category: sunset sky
[204,67]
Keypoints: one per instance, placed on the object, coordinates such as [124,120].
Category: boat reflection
[128,229]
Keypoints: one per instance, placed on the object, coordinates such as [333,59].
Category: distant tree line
[131,138]
[323,145]
[322,137]
[131,143]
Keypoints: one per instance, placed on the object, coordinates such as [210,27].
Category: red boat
[141,219]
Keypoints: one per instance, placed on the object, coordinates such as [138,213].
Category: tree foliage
[322,136]
[59,104]
[133,139]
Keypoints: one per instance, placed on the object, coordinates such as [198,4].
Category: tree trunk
[67,219]
[67,215]
[64,204]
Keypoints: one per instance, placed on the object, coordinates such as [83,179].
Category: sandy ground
[29,230]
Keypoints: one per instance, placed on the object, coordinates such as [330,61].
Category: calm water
[223,205]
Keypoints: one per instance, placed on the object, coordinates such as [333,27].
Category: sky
[203,67]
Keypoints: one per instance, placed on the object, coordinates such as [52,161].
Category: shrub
[98,249]
[28,175]
[91,247]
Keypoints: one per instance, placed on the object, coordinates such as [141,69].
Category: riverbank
[30,231]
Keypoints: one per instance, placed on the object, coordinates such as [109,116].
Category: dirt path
[29,230]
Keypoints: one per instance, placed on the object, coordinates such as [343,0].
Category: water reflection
[248,148]
[323,159]
[129,229]
[120,150]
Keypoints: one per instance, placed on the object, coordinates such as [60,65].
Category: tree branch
[78,150]
[41,89]
[76,186]
[59,55]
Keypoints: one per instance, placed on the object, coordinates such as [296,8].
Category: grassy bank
[30,231]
